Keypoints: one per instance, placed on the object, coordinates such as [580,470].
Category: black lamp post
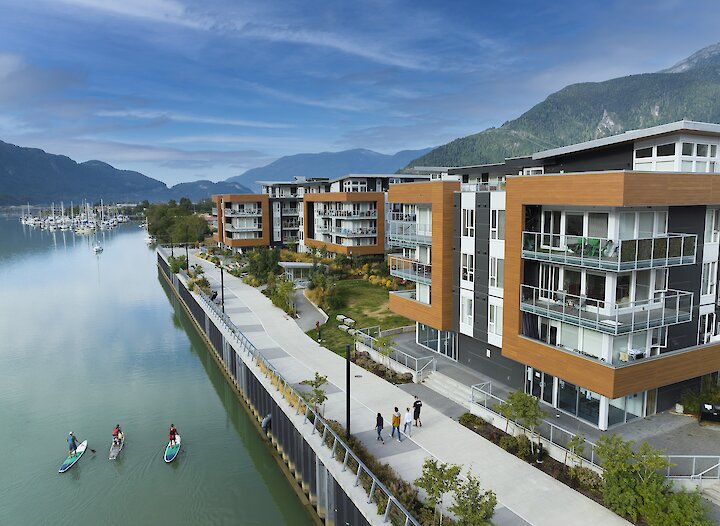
[172,251]
[187,258]
[347,391]
[222,287]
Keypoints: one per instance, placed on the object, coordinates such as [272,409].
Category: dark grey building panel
[482,264]
[686,220]
[473,353]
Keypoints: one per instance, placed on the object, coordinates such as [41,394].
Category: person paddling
[117,433]
[72,444]
[173,434]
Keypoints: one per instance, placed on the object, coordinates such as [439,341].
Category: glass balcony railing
[213,212]
[242,228]
[668,307]
[608,254]
[497,186]
[410,269]
[347,232]
[404,231]
[290,211]
[407,294]
[348,214]
[248,212]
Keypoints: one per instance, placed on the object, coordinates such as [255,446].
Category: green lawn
[365,303]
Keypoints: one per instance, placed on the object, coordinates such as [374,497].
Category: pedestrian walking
[396,424]
[407,424]
[379,427]
[417,405]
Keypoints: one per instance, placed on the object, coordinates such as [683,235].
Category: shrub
[524,450]
[586,478]
[508,443]
[472,421]
[691,400]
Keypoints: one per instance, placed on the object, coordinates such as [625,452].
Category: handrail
[700,475]
[420,364]
[336,442]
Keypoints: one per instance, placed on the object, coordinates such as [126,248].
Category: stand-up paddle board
[74,457]
[115,449]
[172,451]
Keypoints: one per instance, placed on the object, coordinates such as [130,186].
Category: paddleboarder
[117,433]
[72,444]
[173,433]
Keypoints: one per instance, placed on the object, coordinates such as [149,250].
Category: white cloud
[188,117]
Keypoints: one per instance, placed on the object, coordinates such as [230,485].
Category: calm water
[89,341]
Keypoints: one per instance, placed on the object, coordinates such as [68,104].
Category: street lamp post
[187,258]
[222,288]
[347,391]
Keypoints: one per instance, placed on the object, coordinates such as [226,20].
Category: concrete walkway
[525,494]
[307,313]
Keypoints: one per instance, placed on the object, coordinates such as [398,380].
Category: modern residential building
[242,220]
[344,216]
[585,275]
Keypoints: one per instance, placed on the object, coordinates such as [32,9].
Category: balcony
[404,231]
[669,307]
[407,294]
[410,269]
[290,211]
[243,228]
[608,254]
[229,212]
[347,232]
[498,186]
[213,212]
[348,214]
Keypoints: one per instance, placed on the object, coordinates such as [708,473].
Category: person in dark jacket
[379,427]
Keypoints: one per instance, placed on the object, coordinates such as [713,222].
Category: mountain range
[580,112]
[30,175]
[327,164]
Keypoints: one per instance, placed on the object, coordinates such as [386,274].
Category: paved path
[525,494]
[308,313]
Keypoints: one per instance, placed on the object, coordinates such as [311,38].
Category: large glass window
[573,225]
[497,224]
[622,290]
[598,225]
[497,272]
[567,397]
[595,288]
[642,285]
[589,406]
[495,319]
[712,225]
[572,280]
[646,222]
[706,328]
[664,150]
[633,406]
[551,228]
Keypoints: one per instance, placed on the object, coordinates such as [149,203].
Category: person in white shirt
[407,426]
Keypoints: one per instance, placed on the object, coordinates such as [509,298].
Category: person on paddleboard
[117,433]
[72,443]
[173,433]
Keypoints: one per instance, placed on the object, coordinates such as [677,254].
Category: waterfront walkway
[525,494]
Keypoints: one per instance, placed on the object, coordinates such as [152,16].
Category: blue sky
[186,90]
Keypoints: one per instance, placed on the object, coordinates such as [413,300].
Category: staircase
[449,388]
[711,491]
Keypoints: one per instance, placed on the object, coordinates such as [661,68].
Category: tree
[575,446]
[316,396]
[473,506]
[437,480]
[524,409]
[384,346]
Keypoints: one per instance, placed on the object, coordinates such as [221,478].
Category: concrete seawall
[310,453]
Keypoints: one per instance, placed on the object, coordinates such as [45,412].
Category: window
[467,267]
[643,152]
[551,228]
[713,150]
[466,310]
[706,328]
[497,224]
[687,148]
[495,319]
[709,278]
[665,150]
[598,225]
[497,271]
[595,289]
[712,225]
[468,222]
[702,150]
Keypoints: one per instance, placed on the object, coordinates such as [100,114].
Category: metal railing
[348,214]
[666,307]
[481,394]
[244,228]
[243,213]
[408,294]
[403,230]
[420,366]
[290,211]
[411,269]
[341,452]
[609,254]
[498,186]
[699,467]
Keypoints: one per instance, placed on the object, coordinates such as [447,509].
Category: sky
[183,90]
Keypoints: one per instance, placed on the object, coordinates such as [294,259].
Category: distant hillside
[34,176]
[327,164]
[580,112]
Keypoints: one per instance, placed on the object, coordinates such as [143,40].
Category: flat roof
[299,264]
[633,135]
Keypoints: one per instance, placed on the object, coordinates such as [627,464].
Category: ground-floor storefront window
[443,342]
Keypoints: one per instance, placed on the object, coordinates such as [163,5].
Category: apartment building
[242,220]
[585,275]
